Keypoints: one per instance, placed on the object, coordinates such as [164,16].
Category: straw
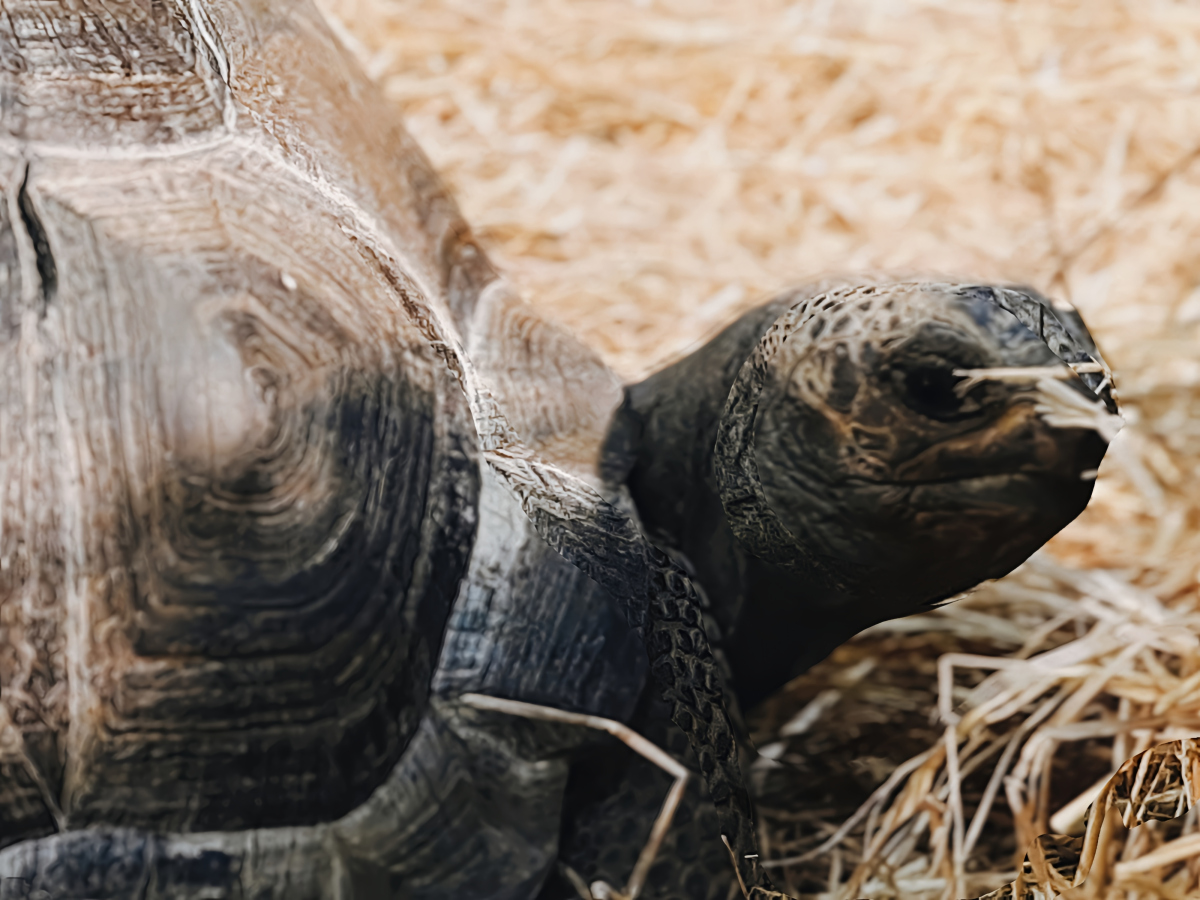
[647,169]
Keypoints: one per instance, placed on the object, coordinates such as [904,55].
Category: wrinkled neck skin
[661,445]
[817,470]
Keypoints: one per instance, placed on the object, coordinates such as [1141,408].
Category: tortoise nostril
[930,391]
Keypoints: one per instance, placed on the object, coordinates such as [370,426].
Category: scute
[270,511]
[161,81]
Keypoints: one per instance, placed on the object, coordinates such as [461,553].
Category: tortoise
[288,468]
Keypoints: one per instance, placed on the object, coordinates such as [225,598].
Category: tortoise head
[862,443]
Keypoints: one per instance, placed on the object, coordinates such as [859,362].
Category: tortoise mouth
[1019,441]
[965,528]
[1074,461]
[1085,474]
[1046,493]
[941,536]
[1039,493]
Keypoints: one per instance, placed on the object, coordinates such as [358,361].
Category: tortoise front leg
[471,811]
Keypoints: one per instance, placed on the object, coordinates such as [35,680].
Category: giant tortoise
[287,470]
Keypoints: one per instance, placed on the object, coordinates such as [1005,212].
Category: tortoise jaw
[971,503]
[988,499]
[1019,441]
[933,539]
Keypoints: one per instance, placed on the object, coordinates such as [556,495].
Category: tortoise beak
[990,394]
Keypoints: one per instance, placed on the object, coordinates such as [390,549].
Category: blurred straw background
[647,169]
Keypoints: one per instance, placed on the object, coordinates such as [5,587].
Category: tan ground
[647,169]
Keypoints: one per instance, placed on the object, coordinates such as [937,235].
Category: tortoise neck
[661,446]
[774,623]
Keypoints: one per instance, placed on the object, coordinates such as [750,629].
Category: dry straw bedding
[646,169]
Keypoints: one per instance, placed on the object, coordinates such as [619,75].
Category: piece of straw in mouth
[1061,406]
[973,377]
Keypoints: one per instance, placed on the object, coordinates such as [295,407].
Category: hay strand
[646,169]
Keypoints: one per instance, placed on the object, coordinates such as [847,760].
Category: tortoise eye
[929,390]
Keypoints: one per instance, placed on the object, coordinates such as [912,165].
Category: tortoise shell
[286,467]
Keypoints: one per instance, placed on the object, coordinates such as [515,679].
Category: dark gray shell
[254,367]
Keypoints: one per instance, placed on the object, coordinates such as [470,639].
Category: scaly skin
[795,390]
[256,369]
[286,466]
